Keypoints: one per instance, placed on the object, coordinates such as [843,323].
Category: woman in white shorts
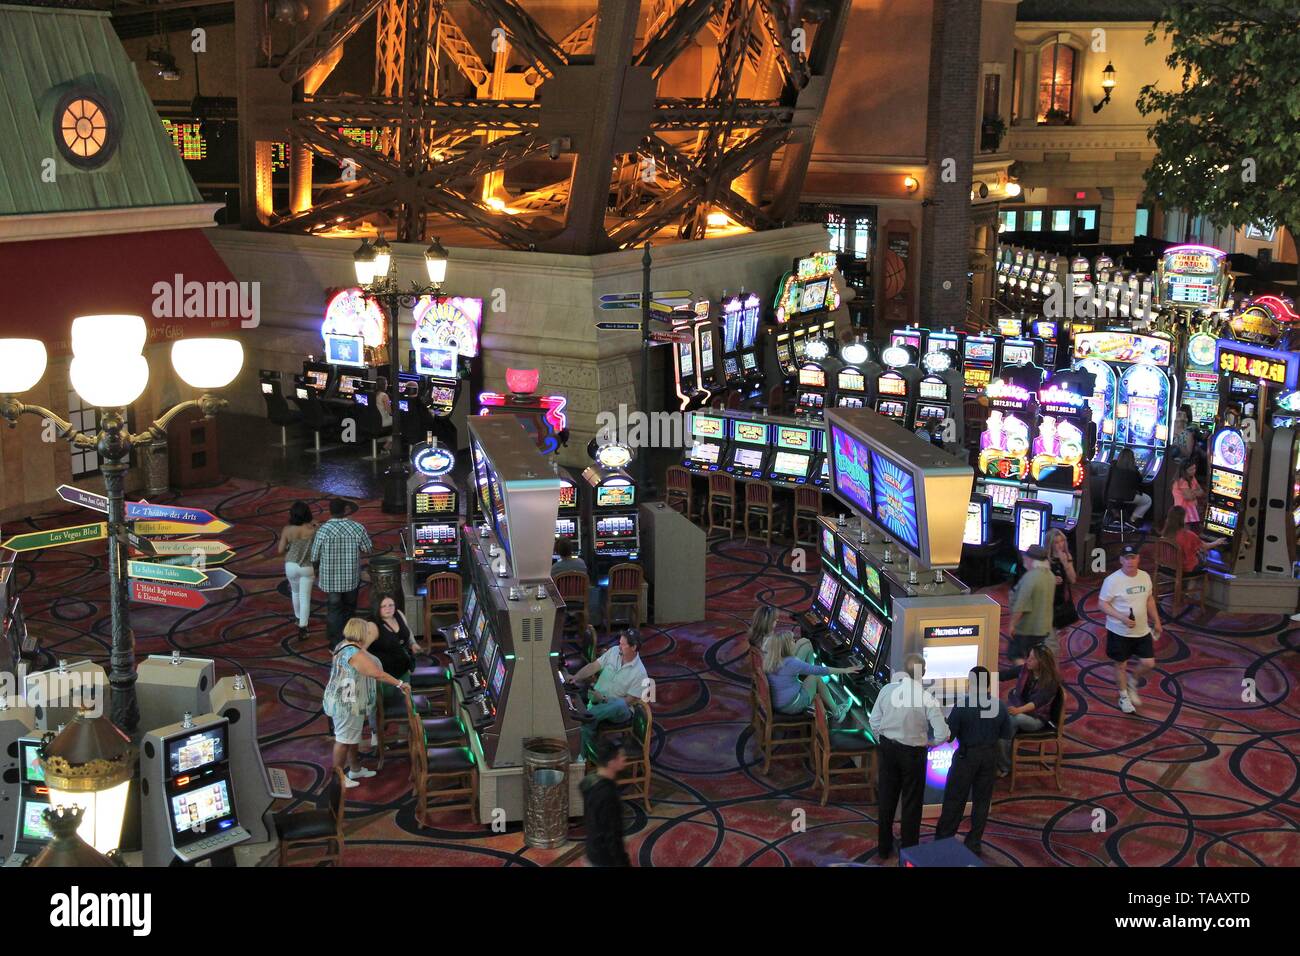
[350,694]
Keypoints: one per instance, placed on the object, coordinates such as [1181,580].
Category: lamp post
[109,371]
[89,764]
[377,277]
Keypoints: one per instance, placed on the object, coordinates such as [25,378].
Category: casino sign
[448,322]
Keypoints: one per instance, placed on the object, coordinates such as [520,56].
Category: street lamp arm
[208,403]
[11,408]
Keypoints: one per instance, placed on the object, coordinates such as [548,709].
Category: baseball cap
[1128,549]
[1036,552]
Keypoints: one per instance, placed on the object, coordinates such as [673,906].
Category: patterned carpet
[1207,774]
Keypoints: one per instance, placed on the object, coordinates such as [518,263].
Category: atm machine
[434,516]
[609,506]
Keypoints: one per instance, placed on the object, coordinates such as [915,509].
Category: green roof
[45,55]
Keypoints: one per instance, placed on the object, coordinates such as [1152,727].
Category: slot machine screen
[936,390]
[568,495]
[705,452]
[827,591]
[926,413]
[791,463]
[195,811]
[565,527]
[852,382]
[1004,496]
[813,295]
[830,547]
[33,826]
[850,565]
[430,360]
[1029,530]
[812,376]
[812,399]
[317,380]
[751,433]
[872,630]
[471,604]
[686,358]
[733,369]
[268,388]
[892,385]
[615,496]
[800,345]
[1010,326]
[871,578]
[615,526]
[1225,483]
[783,352]
[903,337]
[435,500]
[348,383]
[1062,502]
[362,399]
[489,654]
[749,361]
[30,758]
[432,535]
[892,409]
[499,677]
[344,349]
[1044,329]
[1017,355]
[980,350]
[952,662]
[850,608]
[480,627]
[706,351]
[707,426]
[196,750]
[750,458]
[1220,520]
[799,439]
[975,523]
[443,395]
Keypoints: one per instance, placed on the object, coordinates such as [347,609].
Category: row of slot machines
[599,516]
[788,452]
[717,351]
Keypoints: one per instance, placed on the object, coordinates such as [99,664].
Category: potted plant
[1056,117]
[992,132]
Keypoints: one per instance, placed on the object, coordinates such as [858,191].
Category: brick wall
[950,134]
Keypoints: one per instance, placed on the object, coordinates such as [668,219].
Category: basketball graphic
[895,274]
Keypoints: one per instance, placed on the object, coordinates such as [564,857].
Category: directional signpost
[57,537]
[150,519]
[218,578]
[172,573]
[664,336]
[668,301]
[209,546]
[216,526]
[619,326]
[167,595]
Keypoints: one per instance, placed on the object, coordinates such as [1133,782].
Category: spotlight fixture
[164,64]
[1012,189]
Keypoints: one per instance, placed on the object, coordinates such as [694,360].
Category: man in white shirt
[621,682]
[1129,602]
[904,713]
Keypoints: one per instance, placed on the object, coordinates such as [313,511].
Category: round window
[84,129]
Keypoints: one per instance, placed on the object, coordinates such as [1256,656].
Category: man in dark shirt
[603,814]
[977,724]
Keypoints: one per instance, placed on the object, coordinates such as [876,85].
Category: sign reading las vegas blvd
[57,537]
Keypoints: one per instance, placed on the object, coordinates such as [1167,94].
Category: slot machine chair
[278,411]
[626,582]
[321,828]
[1121,488]
[443,595]
[1170,579]
[759,504]
[439,730]
[638,730]
[370,426]
[830,745]
[807,509]
[441,773]
[769,725]
[722,495]
[678,490]
[432,685]
[317,417]
[574,587]
[1040,754]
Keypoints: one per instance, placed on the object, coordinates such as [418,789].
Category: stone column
[1118,215]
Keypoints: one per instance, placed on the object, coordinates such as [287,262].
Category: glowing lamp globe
[855,354]
[383,257]
[89,765]
[435,260]
[207,363]
[22,363]
[523,381]
[102,335]
[363,262]
[109,380]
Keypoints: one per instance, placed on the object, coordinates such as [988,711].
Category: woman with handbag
[1064,613]
[350,694]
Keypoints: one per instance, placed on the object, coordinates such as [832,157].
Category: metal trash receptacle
[157,471]
[546,792]
[386,578]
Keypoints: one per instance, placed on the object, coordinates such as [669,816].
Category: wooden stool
[828,745]
[722,496]
[442,595]
[807,509]
[624,591]
[758,504]
[441,773]
[678,490]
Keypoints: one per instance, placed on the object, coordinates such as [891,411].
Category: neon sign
[1252,361]
[852,470]
[449,322]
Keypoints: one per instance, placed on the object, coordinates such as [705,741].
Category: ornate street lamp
[66,847]
[109,371]
[89,764]
[377,277]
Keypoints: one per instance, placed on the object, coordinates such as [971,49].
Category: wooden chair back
[758,494]
[573,587]
[722,486]
[443,588]
[338,802]
[625,580]
[808,499]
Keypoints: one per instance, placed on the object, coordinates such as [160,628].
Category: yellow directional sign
[179,527]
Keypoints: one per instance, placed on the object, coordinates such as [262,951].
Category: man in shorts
[1132,624]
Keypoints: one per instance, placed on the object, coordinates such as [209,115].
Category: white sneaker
[360,774]
[1133,696]
[374,741]
[1126,705]
[842,709]
[349,783]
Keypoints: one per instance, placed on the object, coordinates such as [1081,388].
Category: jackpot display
[1201,378]
[1193,277]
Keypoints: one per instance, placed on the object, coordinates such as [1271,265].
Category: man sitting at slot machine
[621,682]
[567,562]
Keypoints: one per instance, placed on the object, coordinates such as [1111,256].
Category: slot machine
[1058,470]
[1201,378]
[896,387]
[1048,333]
[821,469]
[730,320]
[807,306]
[939,393]
[613,524]
[568,520]
[817,381]
[709,441]
[979,363]
[188,808]
[1146,399]
[435,515]
[1006,445]
[1080,278]
[27,829]
[1145,309]
[1020,286]
[1038,278]
[1192,277]
[949,339]
[751,314]
[710,377]
[1133,397]
[794,457]
[1229,463]
[978,530]
[1030,520]
[684,366]
[750,449]
[318,377]
[914,337]
[1018,351]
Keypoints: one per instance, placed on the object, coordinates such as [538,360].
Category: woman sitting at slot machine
[762,627]
[350,694]
[396,646]
[1191,548]
[384,405]
[1141,501]
[794,679]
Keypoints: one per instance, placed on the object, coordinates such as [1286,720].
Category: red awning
[160,275]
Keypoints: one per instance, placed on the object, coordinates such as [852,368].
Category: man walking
[899,723]
[977,723]
[1129,602]
[603,807]
[1032,603]
[337,547]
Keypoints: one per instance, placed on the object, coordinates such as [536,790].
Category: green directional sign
[57,537]
[199,560]
[173,573]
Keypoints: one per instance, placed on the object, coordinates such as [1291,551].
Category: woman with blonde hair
[350,694]
[762,626]
[794,680]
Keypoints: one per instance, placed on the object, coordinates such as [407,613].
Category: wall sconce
[911,183]
[1012,190]
[1107,84]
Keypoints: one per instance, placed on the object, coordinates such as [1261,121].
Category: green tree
[1228,139]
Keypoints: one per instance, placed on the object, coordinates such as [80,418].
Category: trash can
[386,578]
[157,468]
[546,792]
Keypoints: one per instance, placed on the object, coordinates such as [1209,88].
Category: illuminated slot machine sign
[978,530]
[567,522]
[543,416]
[1058,446]
[749,448]
[1245,367]
[708,439]
[850,388]
[1228,464]
[979,357]
[1048,331]
[1201,378]
[807,288]
[1011,327]
[1263,319]
[916,338]
[732,316]
[1008,432]
[349,313]
[812,389]
[1193,277]
[793,459]
[751,313]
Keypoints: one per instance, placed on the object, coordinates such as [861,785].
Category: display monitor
[344,349]
[315,379]
[34,828]
[952,662]
[194,751]
[813,295]
[873,628]
[750,433]
[980,350]
[852,382]
[499,677]
[871,580]
[565,527]
[429,534]
[1226,483]
[1030,528]
[827,591]
[1004,495]
[268,388]
[434,499]
[616,496]
[685,359]
[850,608]
[568,494]
[830,546]
[977,521]
[471,603]
[196,812]
[1063,502]
[435,361]
[795,439]
[705,453]
[29,756]
[1017,355]
[891,384]
[749,361]
[749,458]
[812,376]
[615,526]
[791,464]
[732,367]
[935,389]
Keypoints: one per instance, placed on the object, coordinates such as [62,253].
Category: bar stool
[758,504]
[678,491]
[442,595]
[829,745]
[441,772]
[722,495]
[624,591]
[807,509]
[574,586]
